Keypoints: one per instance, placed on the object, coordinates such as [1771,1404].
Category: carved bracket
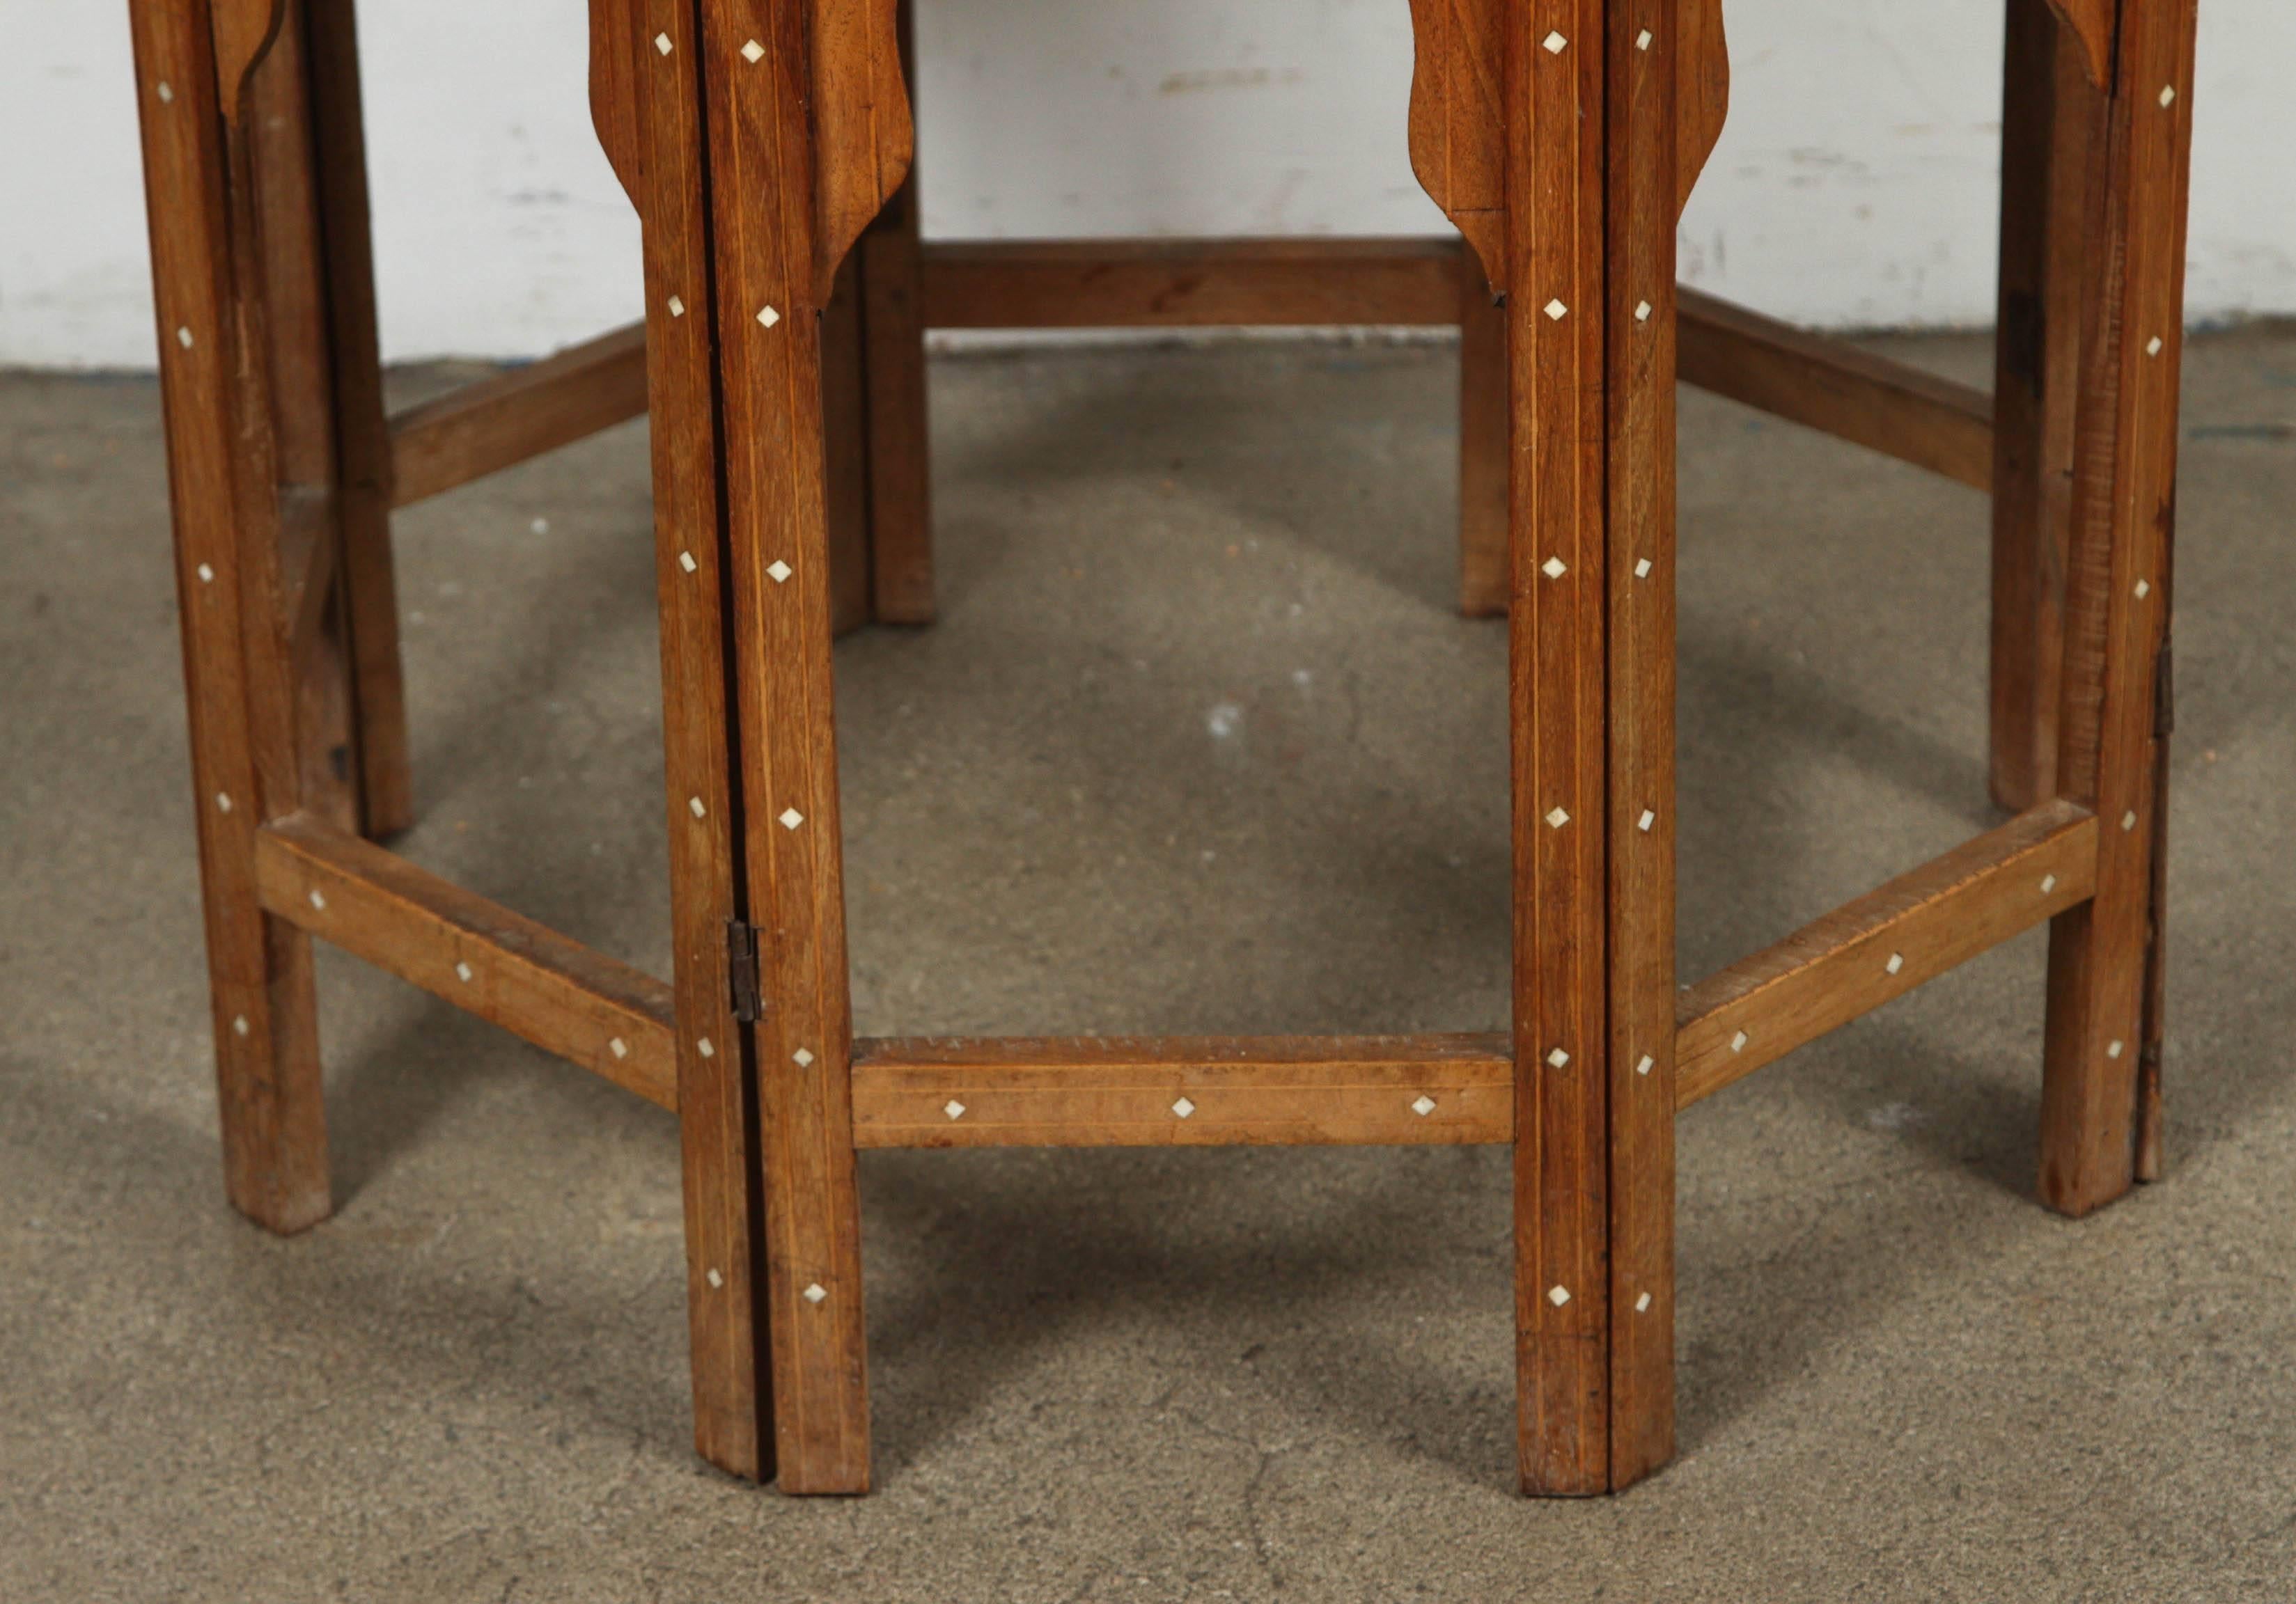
[243,31]
[1458,121]
[863,136]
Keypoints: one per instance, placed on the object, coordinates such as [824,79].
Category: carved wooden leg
[900,465]
[215,379]
[2052,119]
[2117,600]
[1642,191]
[648,108]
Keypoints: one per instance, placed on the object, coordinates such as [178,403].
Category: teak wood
[767,146]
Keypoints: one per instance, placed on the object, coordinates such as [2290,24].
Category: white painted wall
[1854,185]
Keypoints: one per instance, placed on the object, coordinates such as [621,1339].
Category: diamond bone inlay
[1556,310]
[1184,1108]
[1558,1295]
[676,306]
[1558,1057]
[1646,1066]
[1557,819]
[1642,1304]
[791,818]
[1646,821]
[1554,568]
[1555,44]
[769,317]
[753,52]
[801,1059]
[1738,1043]
[1897,962]
[1643,311]
[662,43]
[1642,39]
[953,1108]
[781,571]
[815,1293]
[2048,884]
[464,972]
[1424,1106]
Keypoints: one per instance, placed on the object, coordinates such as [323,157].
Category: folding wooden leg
[2117,601]
[774,254]
[2052,122]
[647,102]
[900,467]
[369,620]
[215,363]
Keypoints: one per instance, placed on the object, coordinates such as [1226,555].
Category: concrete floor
[1198,744]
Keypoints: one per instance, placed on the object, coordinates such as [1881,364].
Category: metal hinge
[742,969]
[2164,692]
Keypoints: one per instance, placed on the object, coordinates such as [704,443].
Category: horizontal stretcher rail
[1182,1091]
[604,1015]
[1882,945]
[1834,388]
[501,421]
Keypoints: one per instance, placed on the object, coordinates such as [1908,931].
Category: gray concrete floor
[1198,744]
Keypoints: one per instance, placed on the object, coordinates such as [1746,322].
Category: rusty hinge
[2164,692]
[742,969]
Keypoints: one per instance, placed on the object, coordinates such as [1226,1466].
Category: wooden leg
[761,165]
[1643,206]
[2117,600]
[369,620]
[2052,121]
[1482,443]
[900,466]
[648,108]
[1555,318]
[215,377]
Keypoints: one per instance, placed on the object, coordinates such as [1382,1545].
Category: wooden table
[766,145]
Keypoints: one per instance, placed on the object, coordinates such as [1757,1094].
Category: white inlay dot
[167,92]
[781,571]
[1642,39]
[1424,1106]
[752,52]
[715,1280]
[1558,1057]
[1556,310]
[2152,345]
[1184,1108]
[239,1025]
[1555,44]
[1557,819]
[706,1047]
[184,337]
[1558,1295]
[685,561]
[1646,1066]
[662,43]
[1642,1304]
[1641,311]
[2048,884]
[206,574]
[317,901]
[2168,94]
[1897,962]
[1738,1042]
[2112,1050]
[1554,568]
[953,1108]
[693,806]
[2143,589]
[223,801]
[769,317]
[1646,821]
[2128,820]
[619,1048]
[815,1293]
[801,1059]
[791,818]
[464,972]
[676,306]
[1642,568]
